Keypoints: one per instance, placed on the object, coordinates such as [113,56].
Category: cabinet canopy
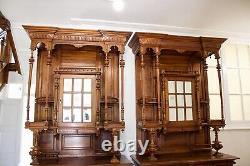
[143,41]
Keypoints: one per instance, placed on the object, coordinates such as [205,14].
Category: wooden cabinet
[173,102]
[79,93]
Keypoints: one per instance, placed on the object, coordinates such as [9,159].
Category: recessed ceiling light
[118,5]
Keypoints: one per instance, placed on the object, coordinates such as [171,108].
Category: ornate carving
[152,145]
[216,143]
[35,152]
[78,70]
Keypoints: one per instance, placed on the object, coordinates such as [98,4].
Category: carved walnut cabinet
[79,94]
[173,102]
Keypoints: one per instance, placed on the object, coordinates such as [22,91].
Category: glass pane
[180,100]
[66,115]
[188,101]
[77,115]
[181,116]
[172,114]
[77,85]
[213,81]
[188,87]
[171,86]
[215,107]
[179,86]
[77,99]
[67,84]
[87,85]
[230,55]
[235,107]
[245,80]
[233,81]
[67,100]
[189,114]
[172,102]
[87,115]
[244,55]
[87,100]
[246,104]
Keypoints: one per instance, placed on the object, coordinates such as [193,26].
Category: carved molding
[52,36]
[78,70]
[142,41]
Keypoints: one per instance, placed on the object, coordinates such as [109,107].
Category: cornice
[52,36]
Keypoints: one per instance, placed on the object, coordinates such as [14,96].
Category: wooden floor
[85,161]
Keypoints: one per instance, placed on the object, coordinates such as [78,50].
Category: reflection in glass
[77,115]
[67,85]
[66,99]
[180,100]
[87,85]
[181,113]
[188,87]
[189,114]
[171,86]
[66,115]
[77,85]
[172,102]
[87,100]
[188,101]
[179,86]
[172,114]
[77,100]
[87,115]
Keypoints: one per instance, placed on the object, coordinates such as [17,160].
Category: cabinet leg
[35,150]
[152,145]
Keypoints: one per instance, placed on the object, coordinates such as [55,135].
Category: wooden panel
[81,58]
[77,142]
[47,141]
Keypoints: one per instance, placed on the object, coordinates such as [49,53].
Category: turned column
[98,91]
[122,65]
[56,99]
[31,62]
[205,100]
[158,85]
[218,67]
[106,68]
[142,53]
[164,98]
[49,60]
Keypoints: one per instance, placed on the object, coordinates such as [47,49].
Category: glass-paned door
[77,96]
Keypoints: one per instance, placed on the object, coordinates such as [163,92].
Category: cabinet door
[77,100]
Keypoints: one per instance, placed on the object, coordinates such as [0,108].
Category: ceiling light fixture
[118,5]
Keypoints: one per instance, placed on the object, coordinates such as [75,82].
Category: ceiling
[217,15]
[183,16]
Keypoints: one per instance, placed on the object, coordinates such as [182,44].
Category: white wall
[236,142]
